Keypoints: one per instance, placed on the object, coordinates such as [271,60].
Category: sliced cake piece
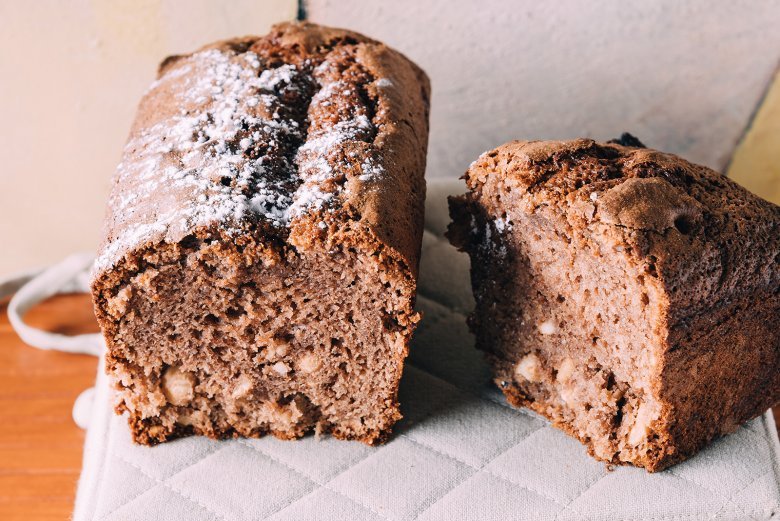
[258,271]
[629,296]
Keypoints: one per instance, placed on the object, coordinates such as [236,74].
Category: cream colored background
[684,76]
[71,74]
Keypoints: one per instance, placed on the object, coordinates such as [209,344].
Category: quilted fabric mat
[459,453]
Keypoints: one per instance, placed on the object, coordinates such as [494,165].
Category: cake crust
[399,121]
[690,255]
[261,172]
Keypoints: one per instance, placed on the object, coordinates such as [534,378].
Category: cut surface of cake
[627,295]
[261,248]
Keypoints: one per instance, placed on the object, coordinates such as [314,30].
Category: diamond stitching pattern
[461,450]
[313,480]
[166,484]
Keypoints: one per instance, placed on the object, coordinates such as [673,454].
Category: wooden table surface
[40,446]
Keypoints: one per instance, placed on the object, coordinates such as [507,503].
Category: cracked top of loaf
[706,238]
[279,136]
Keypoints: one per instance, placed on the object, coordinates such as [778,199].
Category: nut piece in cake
[178,386]
[627,295]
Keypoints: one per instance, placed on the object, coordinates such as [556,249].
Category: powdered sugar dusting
[494,234]
[384,83]
[503,224]
[235,149]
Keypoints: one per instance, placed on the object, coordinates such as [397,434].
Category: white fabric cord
[30,288]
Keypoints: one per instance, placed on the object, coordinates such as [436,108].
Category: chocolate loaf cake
[629,296]
[259,263]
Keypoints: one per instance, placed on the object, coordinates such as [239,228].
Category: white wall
[71,75]
[682,76]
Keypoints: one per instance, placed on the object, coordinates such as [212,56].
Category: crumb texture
[616,289]
[261,248]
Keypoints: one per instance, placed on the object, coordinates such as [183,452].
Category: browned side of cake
[629,296]
[260,255]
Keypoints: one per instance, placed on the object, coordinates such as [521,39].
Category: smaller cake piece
[627,295]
